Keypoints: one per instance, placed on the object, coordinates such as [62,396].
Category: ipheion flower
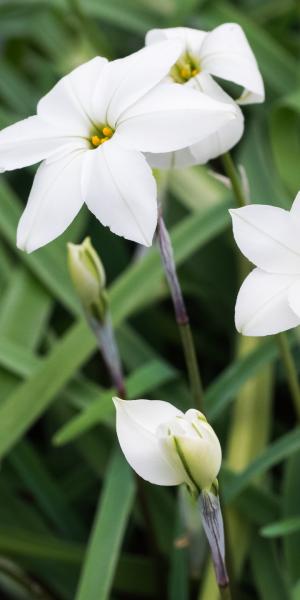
[269,299]
[223,52]
[90,132]
[166,446]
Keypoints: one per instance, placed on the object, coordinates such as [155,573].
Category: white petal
[228,135]
[192,38]
[120,190]
[27,142]
[294,297]
[226,53]
[172,160]
[268,237]
[262,306]
[214,144]
[171,117]
[69,104]
[137,421]
[54,202]
[126,80]
[149,414]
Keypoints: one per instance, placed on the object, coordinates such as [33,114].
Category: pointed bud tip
[88,276]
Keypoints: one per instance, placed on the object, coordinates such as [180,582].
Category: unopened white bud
[88,276]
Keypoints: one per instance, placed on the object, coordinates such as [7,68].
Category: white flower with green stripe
[166,446]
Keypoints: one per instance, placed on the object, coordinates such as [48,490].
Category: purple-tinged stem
[182,318]
[214,529]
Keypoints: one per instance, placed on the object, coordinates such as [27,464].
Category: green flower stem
[191,363]
[233,174]
[182,318]
[290,369]
[225,593]
[108,347]
[281,339]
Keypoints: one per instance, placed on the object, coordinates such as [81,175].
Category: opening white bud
[193,445]
[167,447]
[88,276]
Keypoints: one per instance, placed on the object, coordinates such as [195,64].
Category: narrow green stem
[281,338]
[290,369]
[225,593]
[181,315]
[191,363]
[234,176]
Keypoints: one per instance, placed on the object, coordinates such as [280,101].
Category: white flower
[225,53]
[269,299]
[167,447]
[91,129]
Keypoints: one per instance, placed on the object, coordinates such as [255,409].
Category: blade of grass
[276,452]
[142,381]
[107,533]
[281,528]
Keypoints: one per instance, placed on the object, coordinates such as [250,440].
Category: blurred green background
[62,476]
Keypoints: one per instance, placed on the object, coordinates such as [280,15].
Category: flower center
[104,135]
[185,68]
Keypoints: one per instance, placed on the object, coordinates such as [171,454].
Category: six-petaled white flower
[91,129]
[167,447]
[225,53]
[269,299]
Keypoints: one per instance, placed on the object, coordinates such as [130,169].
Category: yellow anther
[96,141]
[104,140]
[107,131]
[195,72]
[185,72]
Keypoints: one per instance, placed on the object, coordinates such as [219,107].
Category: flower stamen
[98,140]
[187,66]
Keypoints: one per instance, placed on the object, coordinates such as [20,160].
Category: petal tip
[117,401]
[233,212]
[26,245]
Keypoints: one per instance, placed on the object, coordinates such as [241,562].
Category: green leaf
[25,308]
[45,490]
[267,572]
[19,542]
[256,503]
[291,500]
[275,453]
[143,380]
[224,388]
[281,528]
[107,533]
[285,138]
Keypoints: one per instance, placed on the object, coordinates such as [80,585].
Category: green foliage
[71,524]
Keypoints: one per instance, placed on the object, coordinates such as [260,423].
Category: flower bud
[88,276]
[191,442]
[167,447]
